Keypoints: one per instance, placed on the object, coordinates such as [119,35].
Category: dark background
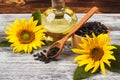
[79,6]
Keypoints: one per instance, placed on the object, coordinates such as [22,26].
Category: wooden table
[79,6]
[24,67]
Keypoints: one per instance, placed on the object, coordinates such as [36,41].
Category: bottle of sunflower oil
[58,19]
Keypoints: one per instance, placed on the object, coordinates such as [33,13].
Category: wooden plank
[24,67]
[106,6]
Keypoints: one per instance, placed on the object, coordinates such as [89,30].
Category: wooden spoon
[51,53]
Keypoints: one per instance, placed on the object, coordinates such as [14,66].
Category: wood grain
[79,6]
[24,67]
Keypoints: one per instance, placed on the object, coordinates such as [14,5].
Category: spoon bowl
[56,48]
[59,45]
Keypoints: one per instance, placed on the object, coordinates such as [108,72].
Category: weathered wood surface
[79,6]
[24,67]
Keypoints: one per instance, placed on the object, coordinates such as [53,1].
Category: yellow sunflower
[94,53]
[25,35]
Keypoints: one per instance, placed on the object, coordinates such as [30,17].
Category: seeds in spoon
[53,51]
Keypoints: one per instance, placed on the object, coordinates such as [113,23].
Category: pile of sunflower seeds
[45,58]
[90,27]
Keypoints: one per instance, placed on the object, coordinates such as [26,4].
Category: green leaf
[115,65]
[80,73]
[5,44]
[37,16]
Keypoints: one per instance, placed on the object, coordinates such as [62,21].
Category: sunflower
[95,52]
[25,35]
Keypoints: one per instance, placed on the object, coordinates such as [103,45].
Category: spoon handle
[81,22]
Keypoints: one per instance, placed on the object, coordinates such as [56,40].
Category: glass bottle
[58,19]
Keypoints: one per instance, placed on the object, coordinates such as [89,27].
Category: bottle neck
[58,4]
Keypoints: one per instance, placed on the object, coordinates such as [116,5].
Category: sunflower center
[26,37]
[96,54]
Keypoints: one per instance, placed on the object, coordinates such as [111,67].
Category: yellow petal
[84,46]
[78,51]
[102,38]
[88,38]
[14,49]
[16,22]
[96,66]
[89,66]
[29,48]
[102,67]
[94,36]
[33,44]
[36,29]
[23,23]
[111,57]
[18,49]
[110,47]
[83,40]
[23,20]
[81,57]
[25,48]
[85,61]
[35,23]
[107,62]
